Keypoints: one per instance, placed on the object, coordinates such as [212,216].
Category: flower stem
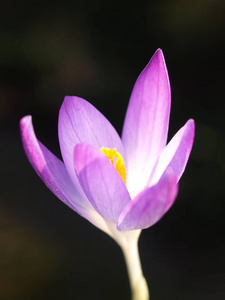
[139,288]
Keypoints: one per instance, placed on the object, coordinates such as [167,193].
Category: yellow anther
[116,160]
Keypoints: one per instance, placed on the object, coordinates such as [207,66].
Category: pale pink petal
[150,205]
[81,122]
[146,123]
[175,155]
[100,181]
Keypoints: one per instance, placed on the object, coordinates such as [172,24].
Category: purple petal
[100,181]
[80,122]
[150,205]
[53,172]
[175,155]
[146,123]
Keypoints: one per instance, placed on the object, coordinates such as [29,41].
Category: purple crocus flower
[88,183]
[121,185]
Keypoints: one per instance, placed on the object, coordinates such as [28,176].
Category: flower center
[116,160]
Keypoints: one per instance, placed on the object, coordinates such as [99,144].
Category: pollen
[116,160]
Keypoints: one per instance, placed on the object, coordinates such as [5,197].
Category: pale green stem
[139,288]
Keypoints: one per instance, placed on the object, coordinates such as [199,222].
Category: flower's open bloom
[118,184]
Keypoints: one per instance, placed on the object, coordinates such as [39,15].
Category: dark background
[96,50]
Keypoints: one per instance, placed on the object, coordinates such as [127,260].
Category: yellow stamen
[118,163]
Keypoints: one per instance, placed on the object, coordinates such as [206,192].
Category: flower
[120,185]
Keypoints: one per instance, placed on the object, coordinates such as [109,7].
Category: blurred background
[96,50]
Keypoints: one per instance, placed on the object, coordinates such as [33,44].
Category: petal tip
[26,119]
[68,97]
[158,62]
[24,124]
[159,55]
[71,102]
[65,101]
[191,125]
[192,122]
[159,52]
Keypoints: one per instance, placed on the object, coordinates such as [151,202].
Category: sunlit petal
[150,205]
[176,154]
[81,122]
[146,123]
[100,181]
[54,174]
